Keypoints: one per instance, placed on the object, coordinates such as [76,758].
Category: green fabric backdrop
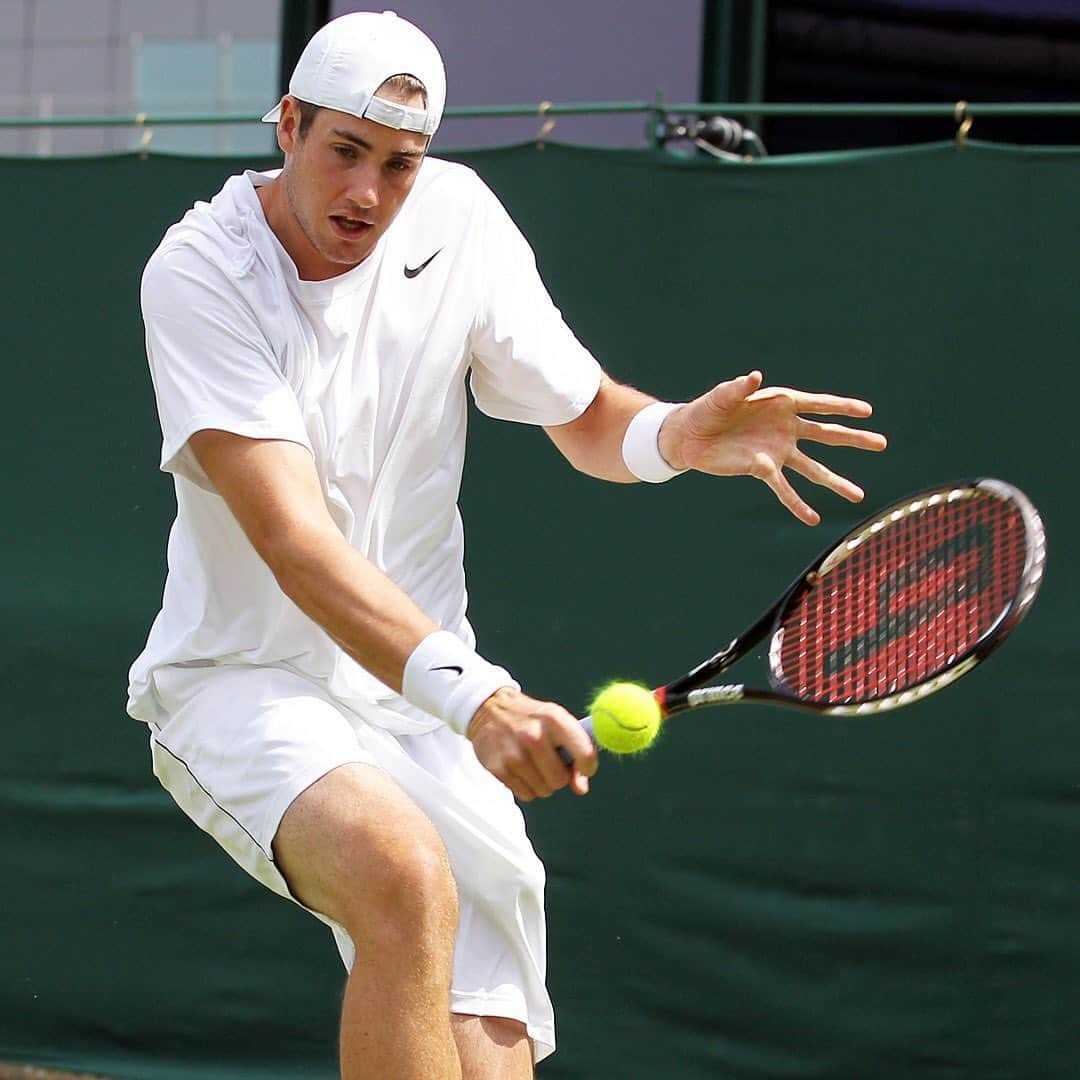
[765,895]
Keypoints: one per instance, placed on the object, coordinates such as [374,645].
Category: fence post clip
[963,124]
[147,135]
[547,124]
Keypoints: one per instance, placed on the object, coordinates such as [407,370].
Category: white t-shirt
[366,370]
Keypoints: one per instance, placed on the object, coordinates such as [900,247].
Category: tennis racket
[909,601]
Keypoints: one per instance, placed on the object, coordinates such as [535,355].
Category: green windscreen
[764,895]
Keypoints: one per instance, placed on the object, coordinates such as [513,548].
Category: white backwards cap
[346,61]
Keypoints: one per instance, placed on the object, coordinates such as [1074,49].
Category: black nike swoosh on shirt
[446,667]
[412,271]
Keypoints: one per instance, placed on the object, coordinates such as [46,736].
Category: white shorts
[234,746]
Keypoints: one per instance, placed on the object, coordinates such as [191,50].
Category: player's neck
[310,264]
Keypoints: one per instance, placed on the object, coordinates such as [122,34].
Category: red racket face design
[910,601]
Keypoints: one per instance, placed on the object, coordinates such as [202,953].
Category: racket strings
[914,596]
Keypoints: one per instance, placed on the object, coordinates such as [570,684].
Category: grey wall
[515,52]
[76,57]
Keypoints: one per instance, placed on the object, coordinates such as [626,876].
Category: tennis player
[312,688]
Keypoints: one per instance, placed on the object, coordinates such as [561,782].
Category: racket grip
[586,723]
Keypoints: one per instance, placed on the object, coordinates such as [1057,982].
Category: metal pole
[758,43]
[733,52]
[299,20]
[714,83]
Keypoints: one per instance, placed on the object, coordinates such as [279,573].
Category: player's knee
[487,1039]
[406,892]
[421,886]
[504,1031]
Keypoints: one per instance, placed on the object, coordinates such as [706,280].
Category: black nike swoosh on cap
[445,667]
[412,271]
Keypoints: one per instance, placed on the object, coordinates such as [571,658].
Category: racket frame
[690,691]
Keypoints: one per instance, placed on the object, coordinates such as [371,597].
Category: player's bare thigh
[353,840]
[355,847]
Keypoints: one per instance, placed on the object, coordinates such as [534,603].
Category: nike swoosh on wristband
[447,667]
[412,271]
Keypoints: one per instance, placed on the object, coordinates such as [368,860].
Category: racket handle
[586,723]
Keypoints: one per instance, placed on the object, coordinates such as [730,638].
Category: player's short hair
[308,112]
[405,85]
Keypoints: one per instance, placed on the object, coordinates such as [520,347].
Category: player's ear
[288,125]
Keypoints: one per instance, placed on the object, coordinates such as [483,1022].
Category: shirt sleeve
[527,365]
[211,364]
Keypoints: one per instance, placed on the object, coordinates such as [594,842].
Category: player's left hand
[740,428]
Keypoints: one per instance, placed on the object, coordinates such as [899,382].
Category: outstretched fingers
[778,483]
[830,404]
[823,475]
[839,435]
[741,427]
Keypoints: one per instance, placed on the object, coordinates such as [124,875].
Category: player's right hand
[517,739]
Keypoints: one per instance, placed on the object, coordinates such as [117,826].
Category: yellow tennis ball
[625,718]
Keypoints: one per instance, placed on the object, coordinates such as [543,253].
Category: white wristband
[641,449]
[446,678]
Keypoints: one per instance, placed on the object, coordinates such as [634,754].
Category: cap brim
[273,116]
